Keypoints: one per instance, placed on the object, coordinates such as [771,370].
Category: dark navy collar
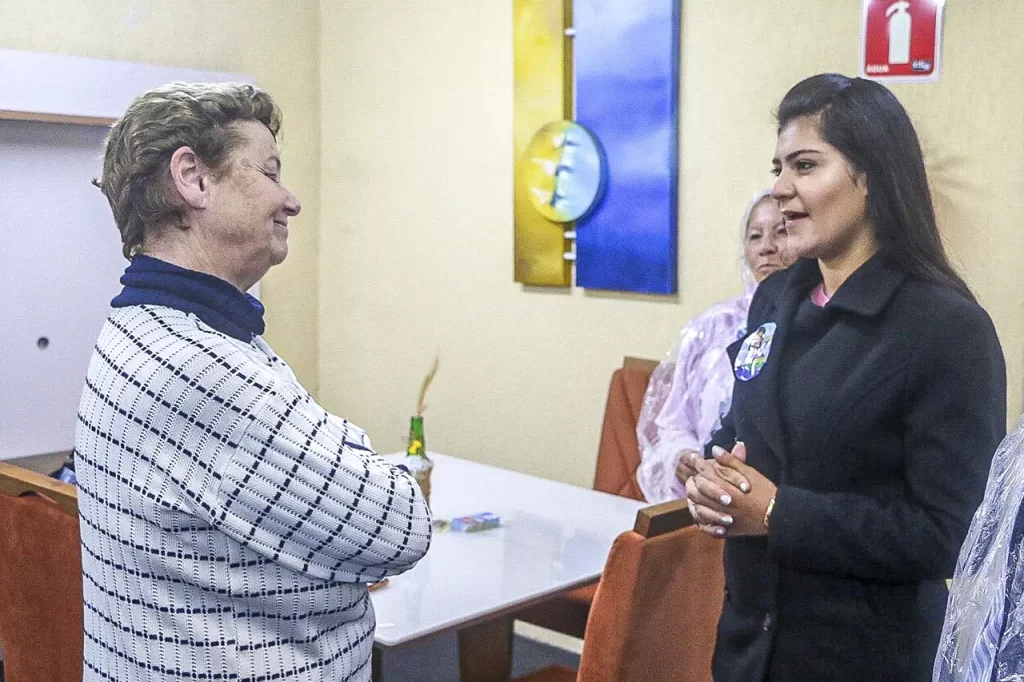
[216,302]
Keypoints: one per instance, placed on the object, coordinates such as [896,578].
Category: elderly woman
[229,522]
[691,389]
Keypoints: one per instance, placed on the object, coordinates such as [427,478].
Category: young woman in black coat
[870,398]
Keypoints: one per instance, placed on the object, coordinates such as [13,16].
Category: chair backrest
[656,610]
[16,480]
[40,578]
[618,455]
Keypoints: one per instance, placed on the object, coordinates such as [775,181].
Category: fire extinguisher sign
[901,40]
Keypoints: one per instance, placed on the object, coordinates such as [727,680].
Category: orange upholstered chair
[618,457]
[40,578]
[656,610]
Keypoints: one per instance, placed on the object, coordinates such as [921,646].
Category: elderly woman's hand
[687,466]
[718,504]
[689,461]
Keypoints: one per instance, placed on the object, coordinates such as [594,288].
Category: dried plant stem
[420,405]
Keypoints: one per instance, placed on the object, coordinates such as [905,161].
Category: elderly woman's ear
[190,177]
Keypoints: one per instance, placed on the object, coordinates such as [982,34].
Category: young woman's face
[764,245]
[822,198]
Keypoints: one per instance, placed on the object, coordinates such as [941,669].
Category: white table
[554,538]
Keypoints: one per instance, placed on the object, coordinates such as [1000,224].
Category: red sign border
[933,77]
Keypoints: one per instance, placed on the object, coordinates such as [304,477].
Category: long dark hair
[869,126]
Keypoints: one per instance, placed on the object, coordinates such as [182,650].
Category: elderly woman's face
[249,207]
[764,247]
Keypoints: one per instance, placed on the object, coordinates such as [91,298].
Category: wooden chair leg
[485,651]
[376,665]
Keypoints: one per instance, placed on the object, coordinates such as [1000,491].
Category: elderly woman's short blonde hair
[138,150]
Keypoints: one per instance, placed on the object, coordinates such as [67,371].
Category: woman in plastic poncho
[692,387]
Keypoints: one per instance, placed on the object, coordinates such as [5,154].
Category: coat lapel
[865,293]
[761,393]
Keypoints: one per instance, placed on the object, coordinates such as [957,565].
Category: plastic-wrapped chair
[618,457]
[655,613]
[40,578]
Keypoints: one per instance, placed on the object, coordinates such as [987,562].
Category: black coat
[877,417]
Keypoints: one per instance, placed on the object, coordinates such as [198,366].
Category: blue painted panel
[627,92]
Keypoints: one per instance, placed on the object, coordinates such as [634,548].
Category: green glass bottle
[417,442]
[416,456]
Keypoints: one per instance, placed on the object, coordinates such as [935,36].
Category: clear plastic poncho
[983,636]
[692,387]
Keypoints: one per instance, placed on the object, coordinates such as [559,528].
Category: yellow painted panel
[543,93]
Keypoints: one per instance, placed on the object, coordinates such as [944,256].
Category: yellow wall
[416,237]
[273,40]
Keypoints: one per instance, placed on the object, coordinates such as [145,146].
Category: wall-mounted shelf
[66,119]
[62,256]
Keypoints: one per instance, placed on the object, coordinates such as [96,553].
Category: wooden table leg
[377,665]
[485,651]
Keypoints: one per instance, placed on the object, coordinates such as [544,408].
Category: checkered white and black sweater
[229,523]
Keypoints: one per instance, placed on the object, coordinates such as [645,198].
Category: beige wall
[398,136]
[416,237]
[273,40]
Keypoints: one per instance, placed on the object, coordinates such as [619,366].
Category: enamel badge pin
[754,352]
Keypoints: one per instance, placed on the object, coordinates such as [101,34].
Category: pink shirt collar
[819,297]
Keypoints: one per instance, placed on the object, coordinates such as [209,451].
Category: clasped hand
[727,497]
